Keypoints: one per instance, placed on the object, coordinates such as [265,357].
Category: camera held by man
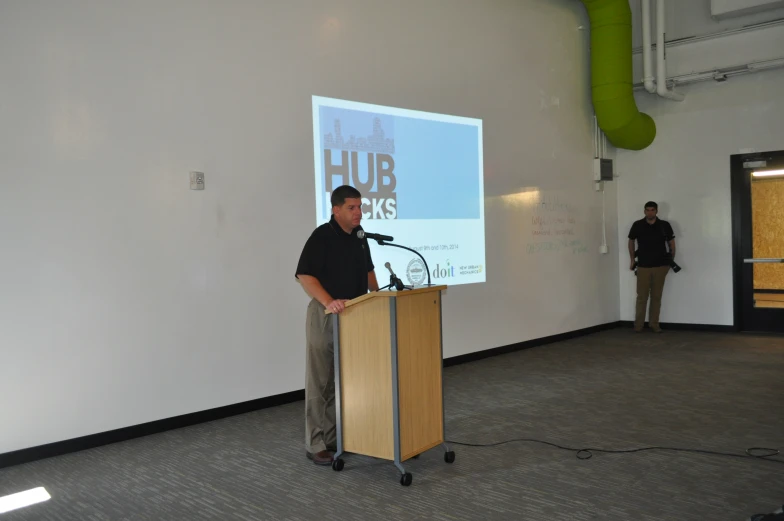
[672,263]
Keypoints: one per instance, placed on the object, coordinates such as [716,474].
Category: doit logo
[443,272]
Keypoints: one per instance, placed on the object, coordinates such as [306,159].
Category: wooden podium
[388,376]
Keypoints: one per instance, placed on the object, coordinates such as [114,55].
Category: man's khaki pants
[650,281]
[320,427]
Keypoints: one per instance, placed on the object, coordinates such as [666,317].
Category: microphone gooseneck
[382,240]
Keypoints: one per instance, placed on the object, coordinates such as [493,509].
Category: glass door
[758,226]
[758,241]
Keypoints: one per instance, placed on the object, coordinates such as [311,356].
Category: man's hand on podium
[337,305]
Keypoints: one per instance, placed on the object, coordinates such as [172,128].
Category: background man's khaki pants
[320,430]
[650,281]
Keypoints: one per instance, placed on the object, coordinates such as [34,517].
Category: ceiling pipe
[612,76]
[647,67]
[661,60]
[721,74]
[719,34]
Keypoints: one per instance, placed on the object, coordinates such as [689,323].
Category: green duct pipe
[611,76]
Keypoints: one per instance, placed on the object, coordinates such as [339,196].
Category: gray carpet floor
[614,390]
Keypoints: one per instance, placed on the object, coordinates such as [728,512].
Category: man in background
[335,266]
[653,263]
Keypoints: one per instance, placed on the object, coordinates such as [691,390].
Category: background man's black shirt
[652,242]
[340,261]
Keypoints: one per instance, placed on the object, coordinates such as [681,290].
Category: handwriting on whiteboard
[575,246]
[554,227]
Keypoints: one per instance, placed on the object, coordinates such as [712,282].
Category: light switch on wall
[197,180]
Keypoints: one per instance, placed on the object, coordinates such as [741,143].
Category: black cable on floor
[588,453]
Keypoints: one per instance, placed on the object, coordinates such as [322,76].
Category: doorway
[757,184]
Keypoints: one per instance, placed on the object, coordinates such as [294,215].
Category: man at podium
[334,266]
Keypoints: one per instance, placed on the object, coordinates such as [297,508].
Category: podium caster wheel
[449,457]
[406,479]
[337,465]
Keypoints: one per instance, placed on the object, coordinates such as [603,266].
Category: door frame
[740,191]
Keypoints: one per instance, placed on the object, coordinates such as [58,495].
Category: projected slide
[420,175]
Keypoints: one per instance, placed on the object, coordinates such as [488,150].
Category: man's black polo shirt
[652,242]
[340,261]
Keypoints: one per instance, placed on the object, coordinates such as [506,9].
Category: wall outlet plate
[197,180]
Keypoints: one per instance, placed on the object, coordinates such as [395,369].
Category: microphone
[362,234]
[393,280]
[389,267]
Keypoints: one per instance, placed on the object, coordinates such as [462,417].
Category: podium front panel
[366,379]
[419,372]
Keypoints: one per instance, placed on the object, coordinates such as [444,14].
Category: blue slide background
[437,168]
[436,162]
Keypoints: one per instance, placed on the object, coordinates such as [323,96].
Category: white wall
[128,298]
[687,171]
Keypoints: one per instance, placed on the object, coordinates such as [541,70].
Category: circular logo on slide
[415,272]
